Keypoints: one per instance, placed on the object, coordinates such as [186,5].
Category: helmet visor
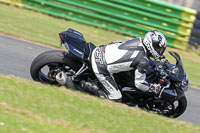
[160,51]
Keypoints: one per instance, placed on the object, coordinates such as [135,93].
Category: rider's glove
[155,88]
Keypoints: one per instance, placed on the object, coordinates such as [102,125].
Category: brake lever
[167,86]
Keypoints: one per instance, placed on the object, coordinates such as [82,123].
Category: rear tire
[52,57]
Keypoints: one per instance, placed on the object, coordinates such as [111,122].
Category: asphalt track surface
[16,56]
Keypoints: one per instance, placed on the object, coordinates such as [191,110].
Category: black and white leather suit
[117,57]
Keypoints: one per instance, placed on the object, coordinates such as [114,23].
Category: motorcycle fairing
[181,75]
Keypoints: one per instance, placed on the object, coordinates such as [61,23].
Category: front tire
[182,105]
[169,109]
[55,61]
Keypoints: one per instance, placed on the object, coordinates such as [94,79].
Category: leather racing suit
[117,57]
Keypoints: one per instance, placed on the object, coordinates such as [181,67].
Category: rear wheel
[46,66]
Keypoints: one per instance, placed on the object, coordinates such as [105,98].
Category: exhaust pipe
[61,78]
[64,80]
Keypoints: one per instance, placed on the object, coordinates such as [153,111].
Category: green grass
[27,106]
[44,29]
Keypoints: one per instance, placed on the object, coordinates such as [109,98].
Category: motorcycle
[74,65]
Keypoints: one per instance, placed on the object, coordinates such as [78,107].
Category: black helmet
[155,43]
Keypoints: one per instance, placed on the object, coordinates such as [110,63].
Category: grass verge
[44,29]
[27,106]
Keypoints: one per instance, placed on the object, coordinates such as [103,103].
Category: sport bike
[75,66]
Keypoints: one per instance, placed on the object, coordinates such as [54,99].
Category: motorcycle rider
[117,57]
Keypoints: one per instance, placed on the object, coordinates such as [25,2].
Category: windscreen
[182,75]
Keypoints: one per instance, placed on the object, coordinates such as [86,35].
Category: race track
[16,57]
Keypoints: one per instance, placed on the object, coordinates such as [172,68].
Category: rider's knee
[115,96]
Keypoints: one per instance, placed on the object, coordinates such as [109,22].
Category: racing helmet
[155,43]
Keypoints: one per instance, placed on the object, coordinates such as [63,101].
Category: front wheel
[46,66]
[169,109]
[179,108]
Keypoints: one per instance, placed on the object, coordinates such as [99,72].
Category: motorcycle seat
[87,53]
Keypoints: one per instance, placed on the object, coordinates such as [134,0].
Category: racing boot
[93,89]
